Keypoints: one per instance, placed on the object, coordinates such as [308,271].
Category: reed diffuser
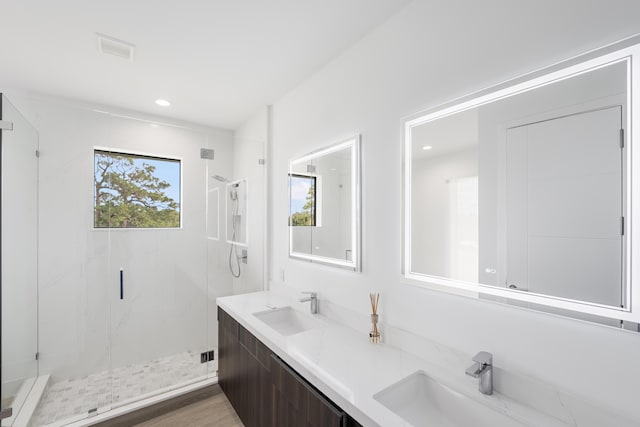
[374,335]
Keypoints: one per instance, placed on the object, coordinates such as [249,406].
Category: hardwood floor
[212,411]
[201,408]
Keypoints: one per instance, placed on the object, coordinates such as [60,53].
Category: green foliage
[130,196]
[310,206]
[306,217]
[301,219]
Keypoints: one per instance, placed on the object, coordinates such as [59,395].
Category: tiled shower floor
[73,397]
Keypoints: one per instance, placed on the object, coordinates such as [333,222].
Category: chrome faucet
[313,298]
[483,369]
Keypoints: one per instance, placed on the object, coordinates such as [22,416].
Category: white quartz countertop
[347,368]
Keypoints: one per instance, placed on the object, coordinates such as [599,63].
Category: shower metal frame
[4,412]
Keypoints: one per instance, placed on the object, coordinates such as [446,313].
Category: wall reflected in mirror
[527,192]
[323,220]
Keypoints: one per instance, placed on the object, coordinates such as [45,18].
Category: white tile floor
[72,397]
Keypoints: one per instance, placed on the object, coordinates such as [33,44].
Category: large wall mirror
[525,193]
[324,205]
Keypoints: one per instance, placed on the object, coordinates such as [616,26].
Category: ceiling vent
[112,46]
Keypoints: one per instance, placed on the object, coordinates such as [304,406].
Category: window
[135,191]
[302,209]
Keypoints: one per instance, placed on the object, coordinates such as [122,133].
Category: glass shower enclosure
[19,254]
[104,303]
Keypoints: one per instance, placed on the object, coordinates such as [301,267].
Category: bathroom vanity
[280,365]
[263,389]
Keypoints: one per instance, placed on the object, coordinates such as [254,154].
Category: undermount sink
[287,321]
[422,401]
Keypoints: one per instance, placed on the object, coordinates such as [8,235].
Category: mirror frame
[356,218]
[626,51]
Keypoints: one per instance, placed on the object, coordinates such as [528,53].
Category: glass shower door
[19,285]
[158,259]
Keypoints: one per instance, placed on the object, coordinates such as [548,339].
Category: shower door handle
[121,283]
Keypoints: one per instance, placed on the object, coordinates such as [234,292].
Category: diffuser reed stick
[374,335]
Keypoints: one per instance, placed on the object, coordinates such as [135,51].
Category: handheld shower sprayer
[233,194]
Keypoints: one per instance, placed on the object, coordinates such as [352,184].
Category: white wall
[84,327]
[428,53]
[249,143]
[431,251]
[333,237]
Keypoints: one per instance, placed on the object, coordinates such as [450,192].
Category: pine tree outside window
[304,200]
[136,191]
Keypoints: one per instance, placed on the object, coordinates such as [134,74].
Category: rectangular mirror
[324,206]
[525,193]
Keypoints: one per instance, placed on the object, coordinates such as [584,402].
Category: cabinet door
[243,373]
[298,404]
[265,386]
[229,359]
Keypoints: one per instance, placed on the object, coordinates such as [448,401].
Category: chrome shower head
[220,178]
[225,180]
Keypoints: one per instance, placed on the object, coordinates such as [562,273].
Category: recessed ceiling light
[163,102]
[427,147]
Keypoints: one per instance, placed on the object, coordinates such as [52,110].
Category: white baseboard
[27,400]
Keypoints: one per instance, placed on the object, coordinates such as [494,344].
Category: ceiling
[446,135]
[217,61]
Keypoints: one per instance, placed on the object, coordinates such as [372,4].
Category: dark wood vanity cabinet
[244,372]
[263,389]
[297,403]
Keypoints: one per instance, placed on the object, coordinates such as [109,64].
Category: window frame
[139,154]
[316,199]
